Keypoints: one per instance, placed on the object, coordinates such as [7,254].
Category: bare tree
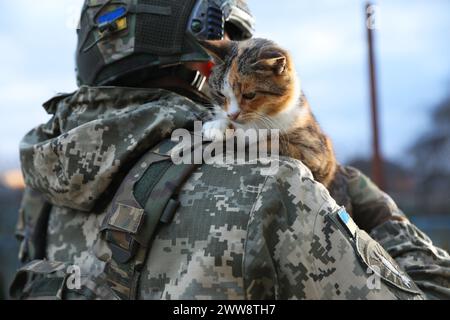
[432,163]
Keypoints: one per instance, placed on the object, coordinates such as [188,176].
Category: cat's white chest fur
[215,130]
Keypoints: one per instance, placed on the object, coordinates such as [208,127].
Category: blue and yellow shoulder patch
[347,222]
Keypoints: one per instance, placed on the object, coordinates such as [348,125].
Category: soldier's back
[229,232]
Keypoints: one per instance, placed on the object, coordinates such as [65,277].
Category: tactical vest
[146,198]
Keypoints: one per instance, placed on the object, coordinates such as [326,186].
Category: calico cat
[255,85]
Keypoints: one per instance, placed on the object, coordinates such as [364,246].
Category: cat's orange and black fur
[256,86]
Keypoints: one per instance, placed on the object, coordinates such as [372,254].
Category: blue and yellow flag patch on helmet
[113,21]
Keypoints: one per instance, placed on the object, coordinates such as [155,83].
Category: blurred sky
[326,37]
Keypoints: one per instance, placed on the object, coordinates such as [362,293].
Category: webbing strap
[146,198]
[160,197]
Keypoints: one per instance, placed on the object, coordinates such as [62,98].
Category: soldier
[108,215]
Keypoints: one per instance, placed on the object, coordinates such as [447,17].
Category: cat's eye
[249,96]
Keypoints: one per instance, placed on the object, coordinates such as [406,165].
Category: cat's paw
[215,130]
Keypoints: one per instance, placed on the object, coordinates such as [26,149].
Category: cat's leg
[215,129]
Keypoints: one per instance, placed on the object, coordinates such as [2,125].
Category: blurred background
[328,40]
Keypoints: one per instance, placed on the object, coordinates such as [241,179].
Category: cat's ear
[272,60]
[217,49]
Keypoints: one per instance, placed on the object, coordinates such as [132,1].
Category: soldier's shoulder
[293,174]
[289,167]
[280,170]
[290,181]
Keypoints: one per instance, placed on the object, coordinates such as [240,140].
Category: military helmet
[136,39]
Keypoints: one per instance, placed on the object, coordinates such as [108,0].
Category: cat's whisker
[271,124]
[268,123]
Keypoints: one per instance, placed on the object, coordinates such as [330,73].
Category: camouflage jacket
[238,233]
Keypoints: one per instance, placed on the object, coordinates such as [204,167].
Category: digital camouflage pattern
[238,233]
[414,251]
[426,264]
[258,237]
[95,134]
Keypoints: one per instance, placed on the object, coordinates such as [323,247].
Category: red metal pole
[377,160]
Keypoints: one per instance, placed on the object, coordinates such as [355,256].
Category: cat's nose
[234,116]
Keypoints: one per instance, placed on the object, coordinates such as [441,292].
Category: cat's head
[251,78]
